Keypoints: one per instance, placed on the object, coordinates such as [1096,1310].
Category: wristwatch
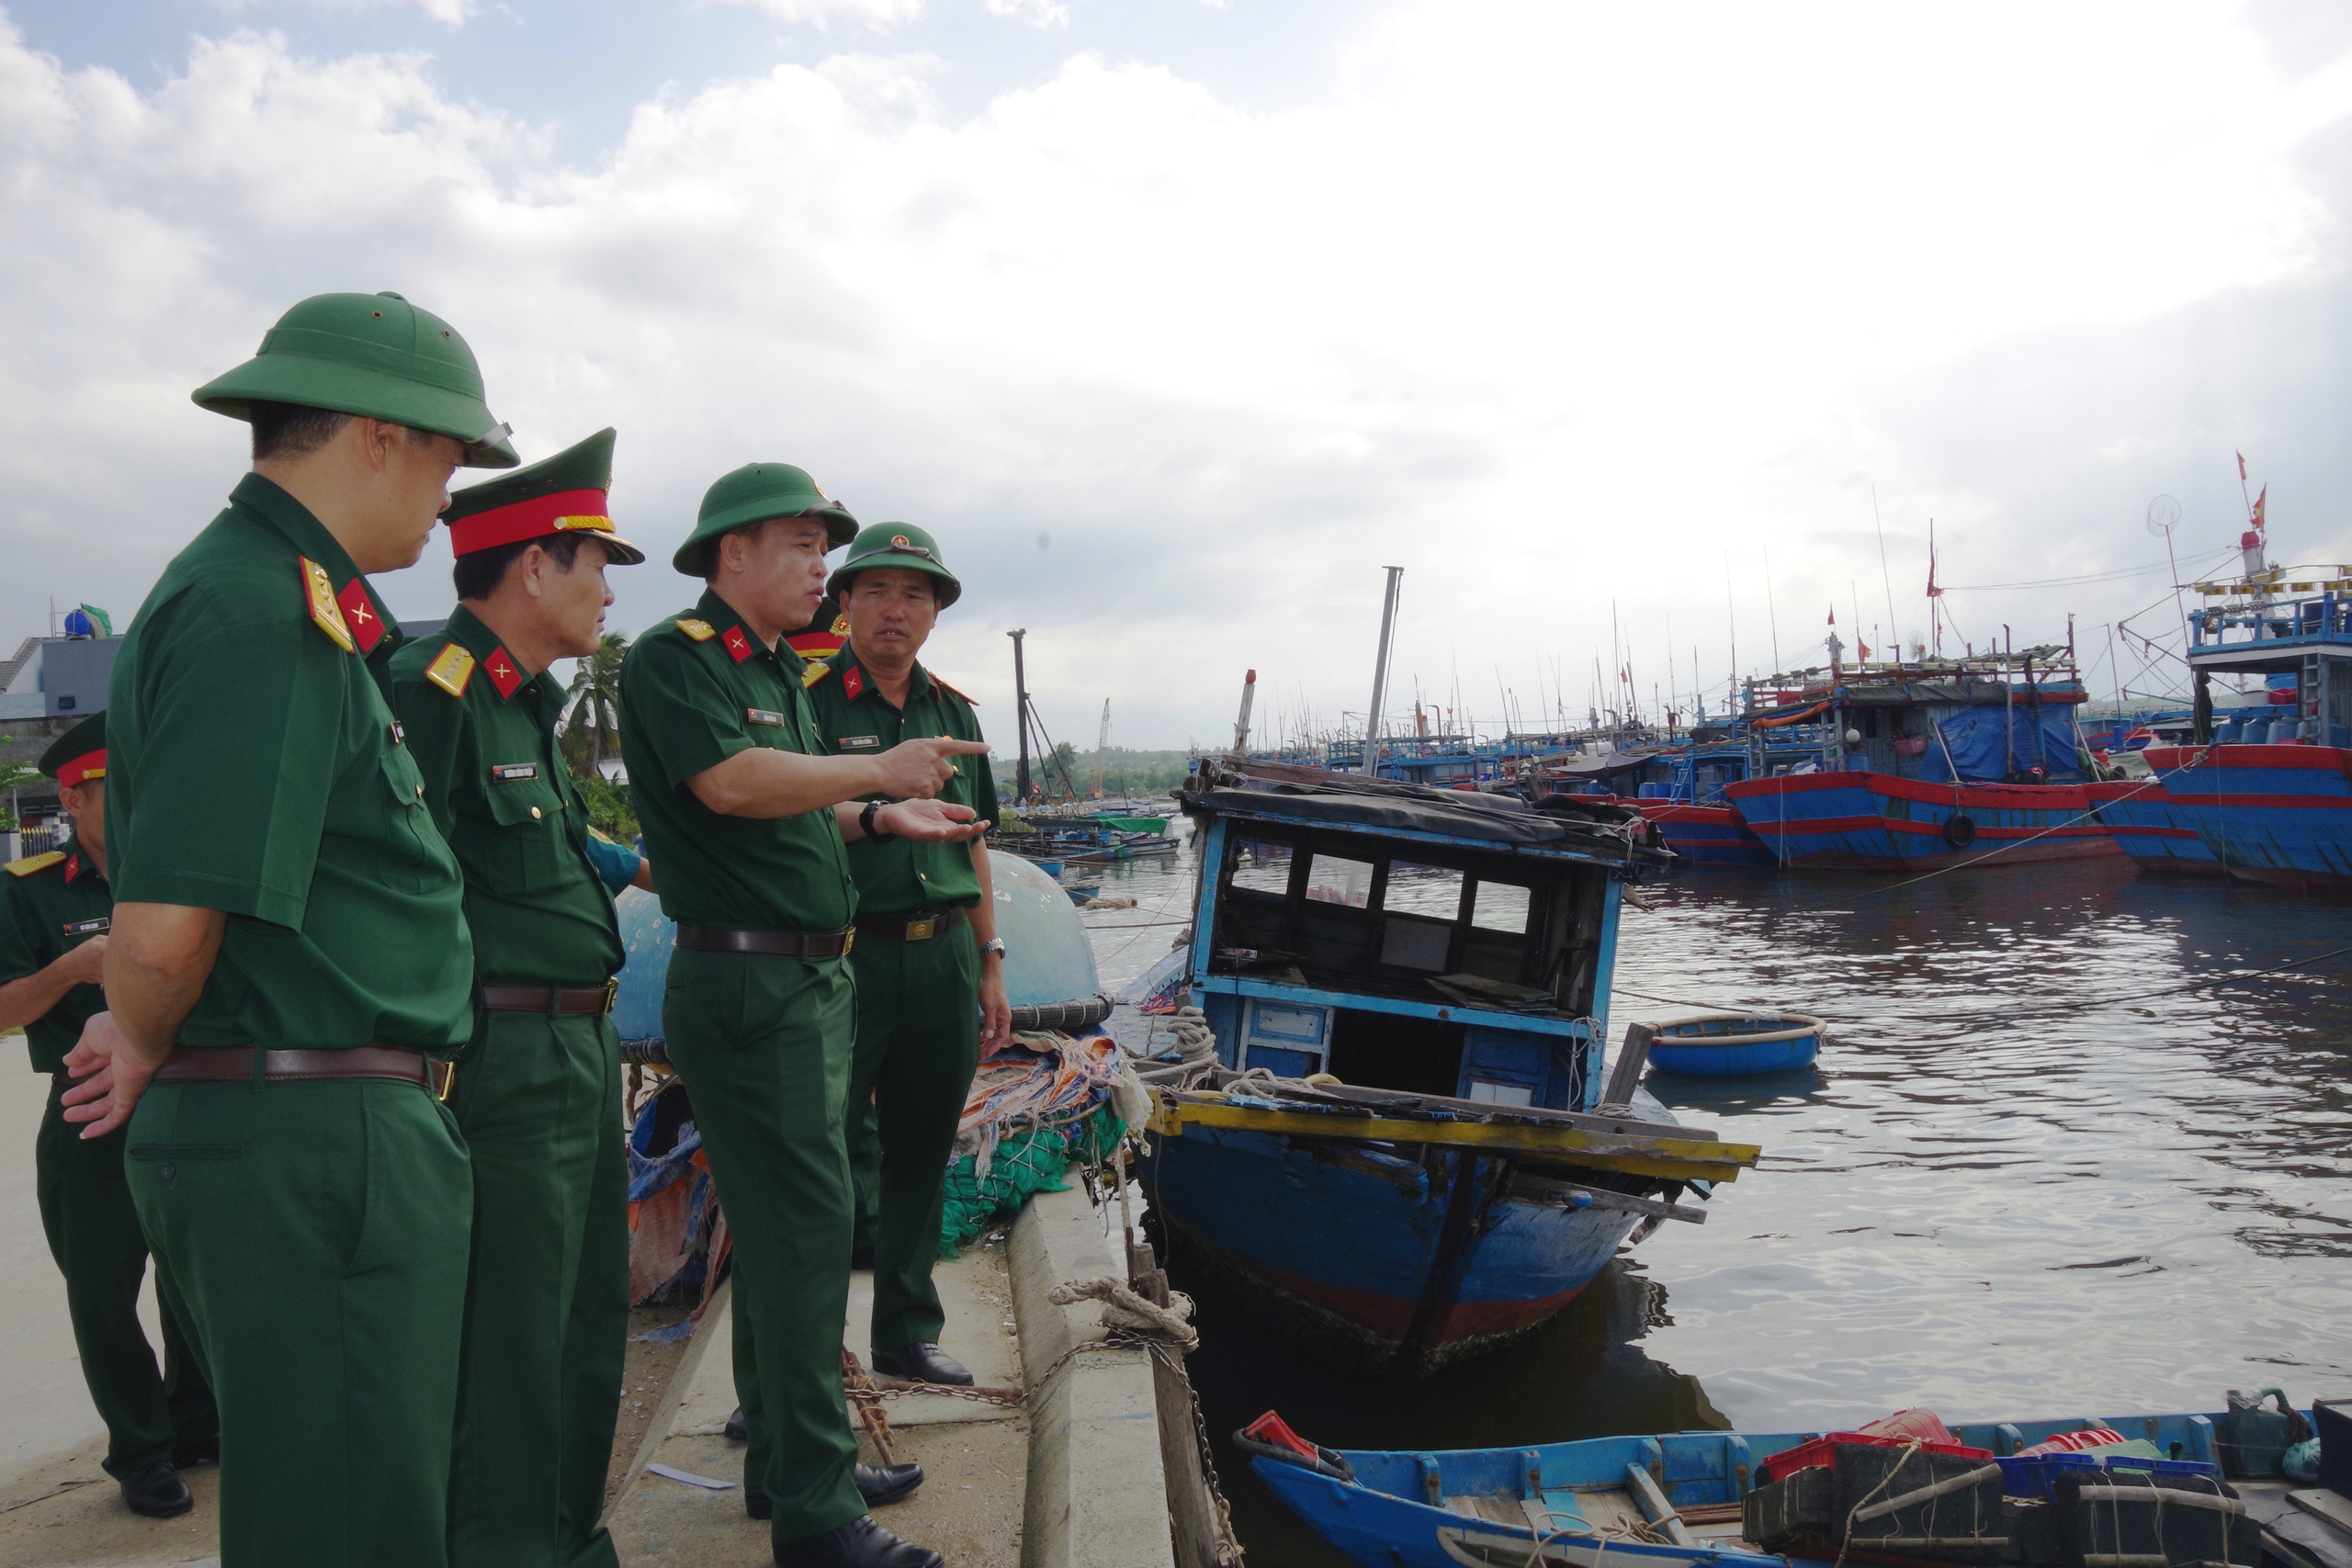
[865,823]
[994,945]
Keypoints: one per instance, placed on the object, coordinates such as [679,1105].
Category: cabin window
[1501,906]
[1333,880]
[1264,866]
[1431,890]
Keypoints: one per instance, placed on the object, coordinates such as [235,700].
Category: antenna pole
[1021,712]
[1240,725]
[1380,671]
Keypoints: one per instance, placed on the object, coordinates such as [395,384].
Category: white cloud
[878,16]
[1043,14]
[1553,305]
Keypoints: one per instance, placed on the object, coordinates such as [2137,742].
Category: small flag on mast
[1833,613]
[2240,467]
[2260,505]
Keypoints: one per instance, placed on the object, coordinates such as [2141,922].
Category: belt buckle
[612,991]
[922,929]
[849,940]
[442,1072]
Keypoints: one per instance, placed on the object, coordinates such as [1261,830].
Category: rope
[1124,1310]
[1847,1536]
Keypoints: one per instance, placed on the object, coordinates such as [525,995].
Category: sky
[1639,336]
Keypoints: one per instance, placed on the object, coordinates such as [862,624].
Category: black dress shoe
[157,1492]
[736,1431]
[880,1485]
[921,1363]
[860,1543]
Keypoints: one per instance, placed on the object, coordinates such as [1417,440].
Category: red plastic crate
[1823,1450]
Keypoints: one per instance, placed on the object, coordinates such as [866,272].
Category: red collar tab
[88,765]
[500,667]
[853,681]
[565,511]
[737,643]
[73,866]
[367,626]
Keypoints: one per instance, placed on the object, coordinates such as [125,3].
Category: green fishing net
[1025,1159]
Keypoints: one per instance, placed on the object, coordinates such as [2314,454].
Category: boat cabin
[1402,937]
[2007,717]
[2294,638]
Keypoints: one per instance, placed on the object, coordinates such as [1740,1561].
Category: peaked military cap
[562,494]
[373,355]
[79,754]
[754,493]
[897,544]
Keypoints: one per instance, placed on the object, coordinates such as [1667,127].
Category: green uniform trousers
[317,1233]
[764,1043]
[918,1041]
[93,1235]
[537,1098]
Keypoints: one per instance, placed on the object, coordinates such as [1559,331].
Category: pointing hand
[917,769]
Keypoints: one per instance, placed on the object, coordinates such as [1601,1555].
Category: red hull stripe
[1803,827]
[2321,759]
[2263,802]
[1971,796]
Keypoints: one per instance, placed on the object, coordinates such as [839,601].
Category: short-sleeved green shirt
[49,905]
[696,691]
[903,876]
[502,795]
[253,767]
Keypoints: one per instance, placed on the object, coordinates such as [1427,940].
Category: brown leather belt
[550,998]
[235,1064]
[922,928]
[788,944]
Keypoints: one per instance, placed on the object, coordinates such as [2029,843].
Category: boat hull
[1871,822]
[2278,814]
[1734,1046]
[1706,837]
[1371,1257]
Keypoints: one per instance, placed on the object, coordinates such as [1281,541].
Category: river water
[2032,1176]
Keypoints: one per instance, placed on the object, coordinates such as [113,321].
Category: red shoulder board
[367,626]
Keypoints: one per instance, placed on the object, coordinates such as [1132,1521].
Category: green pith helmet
[80,752]
[901,545]
[562,494]
[373,355]
[753,493]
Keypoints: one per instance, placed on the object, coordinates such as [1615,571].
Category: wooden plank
[1667,1158]
[1486,1111]
[1543,1189]
[1625,1076]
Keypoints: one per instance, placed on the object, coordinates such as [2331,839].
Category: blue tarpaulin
[1973,739]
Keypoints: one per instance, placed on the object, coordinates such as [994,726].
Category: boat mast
[1021,716]
[1371,763]
[1241,723]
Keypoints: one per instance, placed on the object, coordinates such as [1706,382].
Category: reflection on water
[2029,1176]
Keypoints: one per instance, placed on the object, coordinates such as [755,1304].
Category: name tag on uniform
[513,773]
[858,742]
[763,715]
[85,928]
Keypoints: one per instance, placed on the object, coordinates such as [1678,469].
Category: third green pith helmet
[901,545]
[754,493]
[373,355]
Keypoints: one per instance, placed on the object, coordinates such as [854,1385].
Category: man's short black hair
[290,430]
[479,574]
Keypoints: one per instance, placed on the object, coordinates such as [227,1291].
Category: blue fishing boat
[1673,1500]
[1406,1149]
[1733,1044]
[2262,793]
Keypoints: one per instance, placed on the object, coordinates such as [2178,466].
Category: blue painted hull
[1706,836]
[1870,821]
[2276,814]
[1380,1259]
[1733,1058]
[1392,1514]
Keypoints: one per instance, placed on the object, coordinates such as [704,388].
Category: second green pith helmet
[754,493]
[899,546]
[562,494]
[373,355]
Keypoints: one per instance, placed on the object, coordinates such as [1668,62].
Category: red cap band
[88,765]
[564,511]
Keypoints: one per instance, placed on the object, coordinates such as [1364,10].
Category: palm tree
[593,698]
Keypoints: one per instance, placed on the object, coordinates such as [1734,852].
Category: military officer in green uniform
[54,909]
[537,1090]
[289,962]
[930,969]
[746,818]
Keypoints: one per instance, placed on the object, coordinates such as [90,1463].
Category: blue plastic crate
[2030,1475]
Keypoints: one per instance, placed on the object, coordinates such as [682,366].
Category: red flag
[2240,467]
[2260,499]
[1862,649]
[1833,613]
[1933,592]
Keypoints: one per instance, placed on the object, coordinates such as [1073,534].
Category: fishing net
[1037,1102]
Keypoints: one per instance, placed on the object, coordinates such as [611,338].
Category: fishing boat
[1929,765]
[1406,1149]
[1735,1044]
[2263,794]
[1679,1499]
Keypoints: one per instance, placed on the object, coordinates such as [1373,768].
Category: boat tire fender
[1960,830]
[1325,1462]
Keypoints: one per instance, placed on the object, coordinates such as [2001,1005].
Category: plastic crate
[2030,1475]
[1823,1450]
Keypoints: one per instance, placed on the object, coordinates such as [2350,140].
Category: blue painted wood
[1362,1001]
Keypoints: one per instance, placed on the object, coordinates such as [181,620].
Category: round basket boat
[1735,1044]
